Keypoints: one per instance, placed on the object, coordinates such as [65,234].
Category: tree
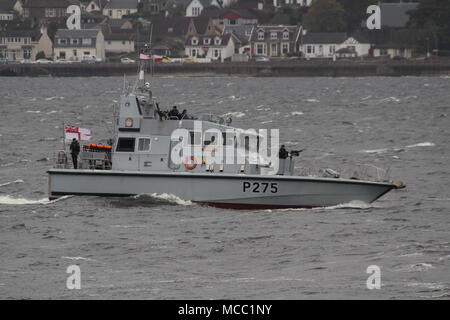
[40,55]
[325,16]
[356,12]
[431,21]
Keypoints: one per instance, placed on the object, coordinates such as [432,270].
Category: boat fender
[190,163]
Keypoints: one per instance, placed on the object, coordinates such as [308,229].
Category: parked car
[262,59]
[26,61]
[127,60]
[399,58]
[90,59]
[43,61]
[63,61]
[3,61]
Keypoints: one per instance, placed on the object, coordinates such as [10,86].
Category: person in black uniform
[75,150]
[283,154]
[174,113]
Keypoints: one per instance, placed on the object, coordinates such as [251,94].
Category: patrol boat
[139,160]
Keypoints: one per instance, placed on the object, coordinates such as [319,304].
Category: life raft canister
[190,163]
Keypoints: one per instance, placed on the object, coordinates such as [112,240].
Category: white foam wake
[18,201]
[167,197]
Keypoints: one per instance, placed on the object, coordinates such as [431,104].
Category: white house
[119,42]
[215,47]
[116,9]
[94,5]
[326,45]
[74,44]
[195,7]
[16,45]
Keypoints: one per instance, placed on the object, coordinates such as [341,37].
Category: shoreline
[244,69]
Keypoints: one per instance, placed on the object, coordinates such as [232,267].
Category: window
[128,12]
[109,42]
[92,6]
[87,53]
[261,35]
[125,145]
[285,35]
[50,12]
[332,49]
[196,11]
[26,12]
[217,41]
[216,53]
[259,48]
[310,49]
[62,54]
[119,14]
[273,36]
[26,53]
[194,41]
[75,53]
[232,21]
[144,144]
[110,13]
[285,48]
[74,41]
[206,41]
[87,41]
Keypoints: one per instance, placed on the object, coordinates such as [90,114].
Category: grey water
[161,247]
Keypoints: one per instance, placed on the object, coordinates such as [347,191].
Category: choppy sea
[162,247]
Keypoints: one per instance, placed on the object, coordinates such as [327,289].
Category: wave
[8,183]
[236,114]
[22,201]
[18,201]
[297,113]
[383,150]
[312,100]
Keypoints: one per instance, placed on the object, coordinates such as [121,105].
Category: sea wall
[290,68]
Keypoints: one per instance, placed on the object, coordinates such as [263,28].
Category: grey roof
[324,37]
[293,31]
[7,5]
[242,32]
[48,3]
[395,15]
[122,4]
[81,33]
[117,23]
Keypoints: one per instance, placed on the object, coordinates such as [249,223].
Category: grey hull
[221,190]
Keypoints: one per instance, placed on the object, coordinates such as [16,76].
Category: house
[120,24]
[226,16]
[299,3]
[392,50]
[74,44]
[44,11]
[7,10]
[395,15]
[195,7]
[274,41]
[116,9]
[242,35]
[212,44]
[17,45]
[120,42]
[95,5]
[326,45]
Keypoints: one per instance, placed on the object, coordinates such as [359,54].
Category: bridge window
[144,144]
[125,145]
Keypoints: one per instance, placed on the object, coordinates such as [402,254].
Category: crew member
[75,150]
[174,113]
[283,154]
[183,115]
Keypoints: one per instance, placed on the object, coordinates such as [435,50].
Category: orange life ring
[188,165]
